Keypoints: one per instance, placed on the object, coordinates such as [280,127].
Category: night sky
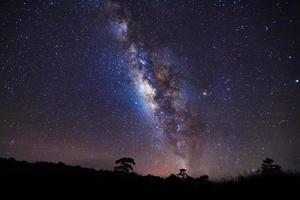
[210,86]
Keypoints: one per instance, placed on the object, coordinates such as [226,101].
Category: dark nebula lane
[210,86]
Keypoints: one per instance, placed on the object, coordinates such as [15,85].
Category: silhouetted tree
[125,165]
[268,167]
[182,174]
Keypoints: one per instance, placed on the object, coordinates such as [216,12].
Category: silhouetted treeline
[269,178]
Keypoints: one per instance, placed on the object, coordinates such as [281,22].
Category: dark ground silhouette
[270,179]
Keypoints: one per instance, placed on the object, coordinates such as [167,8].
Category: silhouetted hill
[51,175]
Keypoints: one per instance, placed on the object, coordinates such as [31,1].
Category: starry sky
[212,86]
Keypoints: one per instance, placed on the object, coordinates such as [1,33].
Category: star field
[211,86]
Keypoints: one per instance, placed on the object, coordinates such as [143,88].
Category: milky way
[158,80]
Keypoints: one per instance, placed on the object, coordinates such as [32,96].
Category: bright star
[143,61]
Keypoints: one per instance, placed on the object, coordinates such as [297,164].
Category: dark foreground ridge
[270,179]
